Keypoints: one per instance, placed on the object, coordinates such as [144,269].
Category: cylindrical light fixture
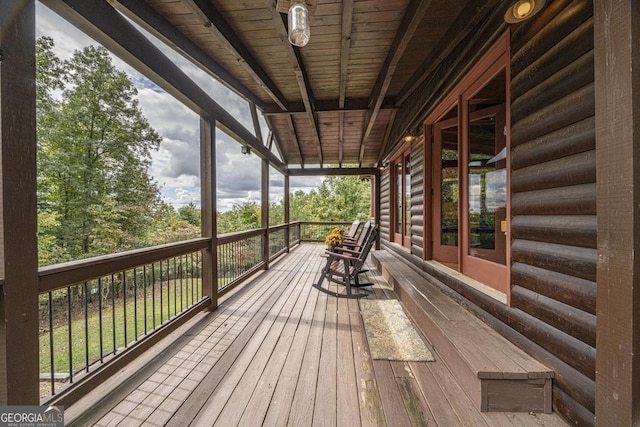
[299,31]
[523,9]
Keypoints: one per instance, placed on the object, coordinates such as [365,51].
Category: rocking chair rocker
[345,264]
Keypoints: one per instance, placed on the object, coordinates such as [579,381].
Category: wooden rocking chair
[344,265]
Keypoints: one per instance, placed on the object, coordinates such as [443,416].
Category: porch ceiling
[332,102]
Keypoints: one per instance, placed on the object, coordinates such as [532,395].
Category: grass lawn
[137,314]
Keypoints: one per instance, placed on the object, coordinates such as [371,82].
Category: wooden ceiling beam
[146,17]
[410,21]
[295,59]
[219,28]
[460,28]
[345,47]
[385,140]
[333,171]
[108,27]
[294,135]
[328,106]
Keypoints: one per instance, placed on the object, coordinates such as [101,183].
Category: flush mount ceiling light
[522,10]
[299,31]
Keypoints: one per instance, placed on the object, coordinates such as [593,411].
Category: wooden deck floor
[279,353]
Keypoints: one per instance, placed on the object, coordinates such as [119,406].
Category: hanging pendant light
[299,32]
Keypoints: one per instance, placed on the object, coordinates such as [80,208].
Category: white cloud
[176,165]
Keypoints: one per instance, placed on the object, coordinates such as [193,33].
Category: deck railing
[95,310]
[317,231]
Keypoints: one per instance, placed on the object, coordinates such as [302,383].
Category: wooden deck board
[281,353]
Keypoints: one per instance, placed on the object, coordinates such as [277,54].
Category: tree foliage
[95,195]
[94,150]
[339,198]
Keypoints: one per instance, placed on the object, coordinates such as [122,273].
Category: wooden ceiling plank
[295,58]
[385,140]
[145,16]
[294,136]
[325,106]
[213,21]
[105,25]
[460,28]
[333,171]
[410,22]
[345,46]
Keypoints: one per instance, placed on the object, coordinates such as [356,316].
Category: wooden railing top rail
[65,274]
[323,222]
[239,235]
[274,228]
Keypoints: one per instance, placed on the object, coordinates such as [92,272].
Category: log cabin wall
[553,205]
[385,205]
[553,289]
[417,198]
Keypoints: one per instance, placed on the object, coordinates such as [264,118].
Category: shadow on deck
[278,352]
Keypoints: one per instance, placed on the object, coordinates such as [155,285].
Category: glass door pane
[398,208]
[446,190]
[449,187]
[487,191]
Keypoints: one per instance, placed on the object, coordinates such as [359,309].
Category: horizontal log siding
[385,204]
[553,225]
[553,199]
[417,198]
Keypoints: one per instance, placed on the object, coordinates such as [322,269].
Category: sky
[176,165]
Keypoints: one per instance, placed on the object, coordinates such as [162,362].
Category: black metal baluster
[86,326]
[113,312]
[135,304]
[51,359]
[70,341]
[124,307]
[144,276]
[100,319]
[161,305]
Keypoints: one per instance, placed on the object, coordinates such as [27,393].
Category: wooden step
[495,374]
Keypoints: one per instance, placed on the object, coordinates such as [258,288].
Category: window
[401,188]
[468,211]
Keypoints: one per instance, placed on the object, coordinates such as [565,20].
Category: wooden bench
[495,374]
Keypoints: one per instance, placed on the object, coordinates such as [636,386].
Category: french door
[445,216]
[469,158]
[402,198]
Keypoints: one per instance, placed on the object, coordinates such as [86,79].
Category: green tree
[94,153]
[245,216]
[343,198]
[191,214]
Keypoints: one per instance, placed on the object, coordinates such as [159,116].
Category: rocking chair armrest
[340,256]
[351,251]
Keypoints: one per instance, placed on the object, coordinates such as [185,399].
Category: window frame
[490,65]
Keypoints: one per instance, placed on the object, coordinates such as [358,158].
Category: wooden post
[19,354]
[377,201]
[617,96]
[208,210]
[265,212]
[287,217]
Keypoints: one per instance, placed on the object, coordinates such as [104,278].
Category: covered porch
[364,98]
[278,352]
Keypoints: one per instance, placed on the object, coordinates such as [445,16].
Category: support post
[377,200]
[208,207]
[264,220]
[287,217]
[617,96]
[19,354]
